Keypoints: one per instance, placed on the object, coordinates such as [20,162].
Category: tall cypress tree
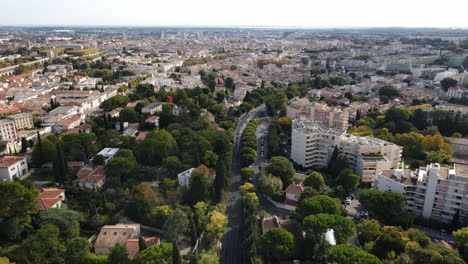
[59,166]
[176,259]
[220,181]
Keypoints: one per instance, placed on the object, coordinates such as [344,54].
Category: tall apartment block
[8,130]
[23,121]
[332,117]
[312,145]
[433,191]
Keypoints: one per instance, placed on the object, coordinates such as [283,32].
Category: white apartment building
[312,144]
[329,116]
[368,156]
[432,191]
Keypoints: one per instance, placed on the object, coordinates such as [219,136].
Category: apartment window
[115,233]
[105,233]
[458,197]
[124,233]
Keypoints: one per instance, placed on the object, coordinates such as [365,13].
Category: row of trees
[248,144]
[251,235]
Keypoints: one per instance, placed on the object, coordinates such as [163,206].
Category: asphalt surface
[232,251]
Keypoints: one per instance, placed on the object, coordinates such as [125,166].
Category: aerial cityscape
[223,140]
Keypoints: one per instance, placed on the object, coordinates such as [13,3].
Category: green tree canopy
[277,244]
[157,254]
[283,168]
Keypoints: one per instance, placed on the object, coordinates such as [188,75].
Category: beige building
[312,145]
[332,117]
[23,121]
[432,191]
[368,156]
[8,130]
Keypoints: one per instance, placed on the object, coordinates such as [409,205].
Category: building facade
[332,117]
[23,121]
[13,167]
[8,130]
[432,191]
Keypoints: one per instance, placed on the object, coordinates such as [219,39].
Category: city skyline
[210,13]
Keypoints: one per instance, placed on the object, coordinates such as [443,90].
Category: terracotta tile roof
[70,120]
[142,136]
[110,235]
[91,175]
[49,197]
[7,161]
[153,118]
[295,189]
[75,164]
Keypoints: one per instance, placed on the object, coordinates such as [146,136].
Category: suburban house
[12,167]
[153,120]
[67,123]
[124,234]
[152,108]
[183,178]
[293,192]
[108,153]
[91,178]
[50,198]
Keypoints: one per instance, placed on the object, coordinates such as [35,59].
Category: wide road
[232,248]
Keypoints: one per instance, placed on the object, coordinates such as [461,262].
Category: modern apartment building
[432,191]
[332,117]
[8,130]
[23,121]
[368,156]
[312,145]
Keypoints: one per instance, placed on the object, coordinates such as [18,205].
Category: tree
[24,144]
[247,173]
[17,204]
[4,260]
[144,192]
[369,230]
[461,241]
[59,166]
[79,146]
[173,165]
[277,244]
[209,257]
[348,180]
[151,151]
[389,91]
[44,246]
[159,214]
[198,189]
[447,83]
[128,115]
[390,240]
[270,184]
[176,258]
[316,225]
[320,204]
[221,181]
[216,227]
[68,221]
[350,254]
[141,243]
[118,255]
[247,188]
[384,204]
[176,224]
[315,180]
[120,167]
[283,168]
[157,254]
[77,250]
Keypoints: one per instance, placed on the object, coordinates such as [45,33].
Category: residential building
[23,121]
[50,198]
[12,167]
[108,153]
[8,130]
[153,120]
[67,123]
[91,178]
[332,117]
[124,234]
[293,192]
[183,178]
[152,108]
[368,156]
[312,144]
[433,191]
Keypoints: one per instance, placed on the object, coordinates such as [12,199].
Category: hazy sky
[306,13]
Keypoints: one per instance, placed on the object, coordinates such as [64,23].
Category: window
[105,233]
[124,233]
[115,233]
